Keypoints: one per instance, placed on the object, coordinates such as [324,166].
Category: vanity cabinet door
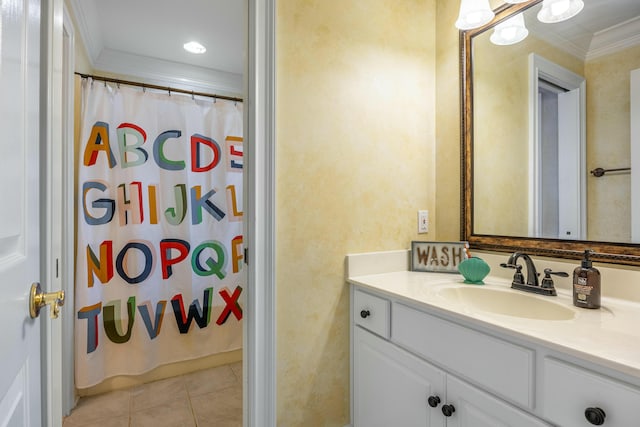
[575,396]
[473,407]
[393,387]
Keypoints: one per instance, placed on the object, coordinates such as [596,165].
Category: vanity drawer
[371,312]
[569,390]
[500,367]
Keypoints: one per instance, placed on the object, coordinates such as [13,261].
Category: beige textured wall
[341,185]
[355,160]
[448,122]
[608,144]
[501,137]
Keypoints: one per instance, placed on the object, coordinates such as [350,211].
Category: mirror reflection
[551,113]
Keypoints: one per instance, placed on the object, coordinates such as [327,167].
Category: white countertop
[609,336]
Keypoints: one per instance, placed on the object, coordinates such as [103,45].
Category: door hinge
[246,256]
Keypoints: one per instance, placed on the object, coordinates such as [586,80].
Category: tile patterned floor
[209,398]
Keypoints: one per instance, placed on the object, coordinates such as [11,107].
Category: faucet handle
[547,281]
[518,277]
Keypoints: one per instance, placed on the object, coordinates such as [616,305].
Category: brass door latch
[39,299]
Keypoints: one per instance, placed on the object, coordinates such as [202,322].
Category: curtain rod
[158,87]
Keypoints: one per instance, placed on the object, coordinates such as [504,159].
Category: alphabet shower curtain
[159,248]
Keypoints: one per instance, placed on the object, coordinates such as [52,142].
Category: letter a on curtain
[159,274]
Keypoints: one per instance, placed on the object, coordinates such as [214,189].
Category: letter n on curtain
[159,239]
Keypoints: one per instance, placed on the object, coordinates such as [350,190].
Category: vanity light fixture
[510,31]
[194,47]
[559,10]
[474,14]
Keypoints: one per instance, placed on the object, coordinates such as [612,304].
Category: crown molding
[614,39]
[85,17]
[161,72]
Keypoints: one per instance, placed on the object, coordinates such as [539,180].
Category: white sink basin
[507,303]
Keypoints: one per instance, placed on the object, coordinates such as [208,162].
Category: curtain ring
[193,96]
[169,89]
[105,83]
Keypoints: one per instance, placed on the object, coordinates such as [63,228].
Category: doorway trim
[259,395]
[259,391]
[54,252]
[67,177]
[541,68]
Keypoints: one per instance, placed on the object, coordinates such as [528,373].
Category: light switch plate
[423,222]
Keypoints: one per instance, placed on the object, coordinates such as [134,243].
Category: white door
[20,377]
[393,387]
[569,166]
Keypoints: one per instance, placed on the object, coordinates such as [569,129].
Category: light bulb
[510,31]
[559,10]
[559,7]
[474,14]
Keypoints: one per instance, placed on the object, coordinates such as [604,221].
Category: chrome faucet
[532,284]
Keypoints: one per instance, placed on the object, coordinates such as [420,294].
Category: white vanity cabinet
[393,387]
[411,346]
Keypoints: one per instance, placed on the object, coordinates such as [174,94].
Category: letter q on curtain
[159,236]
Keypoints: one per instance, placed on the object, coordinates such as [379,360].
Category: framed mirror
[548,143]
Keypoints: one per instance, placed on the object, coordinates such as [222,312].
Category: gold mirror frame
[619,253]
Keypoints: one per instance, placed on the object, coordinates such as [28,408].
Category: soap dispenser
[586,284]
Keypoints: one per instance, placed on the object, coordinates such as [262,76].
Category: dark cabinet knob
[448,410]
[434,401]
[595,416]
[365,313]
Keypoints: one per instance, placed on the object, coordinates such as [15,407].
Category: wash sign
[160,248]
[444,257]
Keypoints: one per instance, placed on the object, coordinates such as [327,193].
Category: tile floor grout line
[193,412]
[130,413]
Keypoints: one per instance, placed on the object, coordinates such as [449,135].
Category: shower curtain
[159,230]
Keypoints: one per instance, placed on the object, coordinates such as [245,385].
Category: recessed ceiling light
[194,47]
